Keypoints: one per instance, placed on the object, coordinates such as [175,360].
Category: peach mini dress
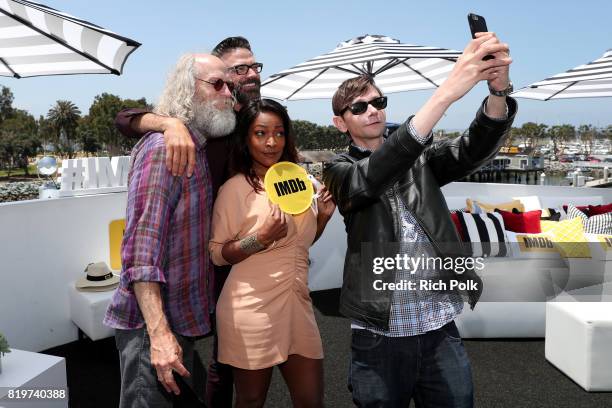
[264,312]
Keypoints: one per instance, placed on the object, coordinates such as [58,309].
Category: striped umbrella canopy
[396,67]
[585,81]
[38,40]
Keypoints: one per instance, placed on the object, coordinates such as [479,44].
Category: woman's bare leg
[304,378]
[251,387]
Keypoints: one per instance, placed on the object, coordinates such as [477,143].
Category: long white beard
[211,121]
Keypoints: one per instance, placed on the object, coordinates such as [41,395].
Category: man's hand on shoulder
[180,149]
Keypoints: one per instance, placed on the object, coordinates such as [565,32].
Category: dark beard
[243,97]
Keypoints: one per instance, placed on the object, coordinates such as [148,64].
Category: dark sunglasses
[218,84]
[242,69]
[360,107]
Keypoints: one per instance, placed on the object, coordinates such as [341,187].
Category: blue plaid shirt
[415,312]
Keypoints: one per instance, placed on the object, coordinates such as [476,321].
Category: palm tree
[64,117]
[560,134]
[587,135]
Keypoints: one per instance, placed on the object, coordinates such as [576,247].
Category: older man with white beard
[165,297]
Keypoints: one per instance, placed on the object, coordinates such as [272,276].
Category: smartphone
[478,25]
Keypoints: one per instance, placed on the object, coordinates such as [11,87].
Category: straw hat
[99,278]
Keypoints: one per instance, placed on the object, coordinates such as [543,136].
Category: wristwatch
[504,92]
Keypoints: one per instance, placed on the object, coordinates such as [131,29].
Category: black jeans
[432,368]
[220,382]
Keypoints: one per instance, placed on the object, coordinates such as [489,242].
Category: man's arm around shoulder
[136,122]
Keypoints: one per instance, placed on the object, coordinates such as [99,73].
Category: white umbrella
[585,81]
[38,40]
[396,67]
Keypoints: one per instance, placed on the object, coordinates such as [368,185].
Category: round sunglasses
[360,107]
[218,84]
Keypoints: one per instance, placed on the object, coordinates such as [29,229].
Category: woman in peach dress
[264,314]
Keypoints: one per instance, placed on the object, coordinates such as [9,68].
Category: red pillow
[599,209]
[457,223]
[583,208]
[526,222]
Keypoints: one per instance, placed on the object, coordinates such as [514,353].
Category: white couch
[505,278]
[523,285]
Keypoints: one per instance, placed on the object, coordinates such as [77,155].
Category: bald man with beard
[165,295]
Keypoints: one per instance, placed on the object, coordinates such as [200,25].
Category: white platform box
[44,375]
[578,339]
[87,310]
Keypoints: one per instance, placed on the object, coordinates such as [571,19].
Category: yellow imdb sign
[288,185]
[116,228]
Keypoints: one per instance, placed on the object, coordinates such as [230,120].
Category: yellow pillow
[569,237]
[491,207]
[601,244]
[605,241]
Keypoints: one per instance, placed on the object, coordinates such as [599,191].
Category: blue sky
[545,37]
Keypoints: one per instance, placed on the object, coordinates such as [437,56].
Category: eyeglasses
[218,84]
[358,108]
[242,69]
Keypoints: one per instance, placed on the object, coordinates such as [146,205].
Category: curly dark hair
[240,160]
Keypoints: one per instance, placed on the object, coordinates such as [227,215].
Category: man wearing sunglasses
[405,345]
[243,71]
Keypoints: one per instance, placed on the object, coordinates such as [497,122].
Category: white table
[87,310]
[26,371]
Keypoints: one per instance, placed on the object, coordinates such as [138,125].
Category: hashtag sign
[72,175]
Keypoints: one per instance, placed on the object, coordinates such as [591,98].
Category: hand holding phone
[478,25]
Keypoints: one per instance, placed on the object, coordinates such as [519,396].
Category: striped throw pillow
[597,224]
[485,232]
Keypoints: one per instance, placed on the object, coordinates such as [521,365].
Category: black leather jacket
[358,181]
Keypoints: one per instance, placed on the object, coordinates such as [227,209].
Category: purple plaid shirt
[165,240]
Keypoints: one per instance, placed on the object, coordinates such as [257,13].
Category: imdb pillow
[601,246]
[532,246]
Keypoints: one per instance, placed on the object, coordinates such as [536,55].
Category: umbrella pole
[558,92]
[16,75]
[307,82]
[360,71]
[417,72]
[390,64]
